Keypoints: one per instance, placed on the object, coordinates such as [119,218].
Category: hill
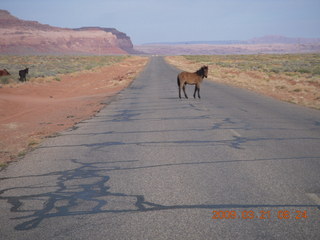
[278,39]
[266,44]
[31,37]
[268,39]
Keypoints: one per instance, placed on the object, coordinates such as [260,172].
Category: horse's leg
[179,86]
[184,90]
[195,91]
[198,87]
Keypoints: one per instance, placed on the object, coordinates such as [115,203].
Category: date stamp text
[249,214]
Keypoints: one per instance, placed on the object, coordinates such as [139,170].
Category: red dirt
[31,111]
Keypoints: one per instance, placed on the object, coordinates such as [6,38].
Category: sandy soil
[32,111]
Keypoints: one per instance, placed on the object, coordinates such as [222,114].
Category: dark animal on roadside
[195,78]
[4,72]
[23,74]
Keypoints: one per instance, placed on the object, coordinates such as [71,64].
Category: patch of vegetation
[22,154]
[5,79]
[47,66]
[269,63]
[3,165]
[33,143]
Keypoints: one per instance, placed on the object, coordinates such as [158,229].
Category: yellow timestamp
[250,214]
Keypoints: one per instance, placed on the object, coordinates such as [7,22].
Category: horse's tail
[178,81]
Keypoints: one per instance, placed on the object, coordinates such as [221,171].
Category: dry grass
[294,78]
[48,68]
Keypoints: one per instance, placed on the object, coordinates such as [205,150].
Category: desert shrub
[303,70]
[5,79]
[274,63]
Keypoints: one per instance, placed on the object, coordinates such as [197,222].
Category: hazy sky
[178,20]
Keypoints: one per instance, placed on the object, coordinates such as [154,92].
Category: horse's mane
[200,72]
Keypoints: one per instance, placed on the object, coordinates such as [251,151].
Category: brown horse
[195,78]
[4,72]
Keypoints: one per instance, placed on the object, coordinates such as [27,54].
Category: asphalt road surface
[233,165]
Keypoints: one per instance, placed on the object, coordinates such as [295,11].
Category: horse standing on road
[195,78]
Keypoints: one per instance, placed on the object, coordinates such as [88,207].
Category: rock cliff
[29,37]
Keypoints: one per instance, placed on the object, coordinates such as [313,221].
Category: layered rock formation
[29,37]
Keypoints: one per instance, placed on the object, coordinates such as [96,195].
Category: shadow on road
[84,190]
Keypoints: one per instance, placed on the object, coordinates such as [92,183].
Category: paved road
[152,166]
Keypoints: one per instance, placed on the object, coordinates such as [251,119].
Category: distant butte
[30,37]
